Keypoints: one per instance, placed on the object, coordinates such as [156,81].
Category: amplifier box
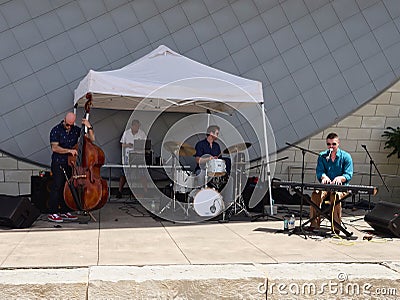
[385,218]
[40,192]
[17,212]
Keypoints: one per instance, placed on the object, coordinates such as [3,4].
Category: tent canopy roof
[168,81]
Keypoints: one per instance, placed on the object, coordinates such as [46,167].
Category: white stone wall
[15,175]
[363,127]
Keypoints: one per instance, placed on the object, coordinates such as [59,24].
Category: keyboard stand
[326,213]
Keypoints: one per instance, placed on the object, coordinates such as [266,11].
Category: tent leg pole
[271,201]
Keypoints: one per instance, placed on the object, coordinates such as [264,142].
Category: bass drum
[208,203]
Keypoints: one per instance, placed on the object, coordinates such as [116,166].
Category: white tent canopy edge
[165,75]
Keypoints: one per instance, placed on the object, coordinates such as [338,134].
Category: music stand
[300,229]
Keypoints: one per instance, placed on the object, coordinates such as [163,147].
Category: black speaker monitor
[17,212]
[385,218]
[40,192]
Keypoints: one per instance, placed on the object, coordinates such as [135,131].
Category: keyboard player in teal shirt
[334,166]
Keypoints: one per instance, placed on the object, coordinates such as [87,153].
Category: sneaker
[55,218]
[68,217]
[119,195]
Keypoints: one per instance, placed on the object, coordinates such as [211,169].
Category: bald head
[70,118]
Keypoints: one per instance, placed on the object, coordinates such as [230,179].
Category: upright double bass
[85,190]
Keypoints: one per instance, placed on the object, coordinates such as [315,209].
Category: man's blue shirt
[65,139]
[342,166]
[203,147]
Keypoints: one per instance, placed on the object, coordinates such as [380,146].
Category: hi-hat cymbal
[237,148]
[184,149]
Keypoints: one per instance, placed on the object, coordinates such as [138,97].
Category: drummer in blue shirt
[334,166]
[208,148]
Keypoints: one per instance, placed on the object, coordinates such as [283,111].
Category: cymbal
[184,149]
[237,148]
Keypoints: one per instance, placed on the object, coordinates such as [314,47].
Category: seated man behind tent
[127,143]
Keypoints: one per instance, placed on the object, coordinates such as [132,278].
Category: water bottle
[291,222]
[285,224]
[153,206]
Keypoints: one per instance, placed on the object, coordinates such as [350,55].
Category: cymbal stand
[174,180]
[262,170]
[238,203]
[168,205]
[206,176]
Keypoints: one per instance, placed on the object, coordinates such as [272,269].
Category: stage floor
[126,234]
[127,245]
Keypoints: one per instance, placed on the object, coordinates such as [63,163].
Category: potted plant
[393,140]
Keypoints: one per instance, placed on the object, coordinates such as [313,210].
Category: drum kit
[202,191]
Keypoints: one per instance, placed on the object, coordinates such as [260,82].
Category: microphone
[364,146]
[328,157]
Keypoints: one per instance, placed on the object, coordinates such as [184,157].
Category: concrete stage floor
[127,254]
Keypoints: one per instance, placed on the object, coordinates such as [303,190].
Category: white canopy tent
[165,75]
[170,82]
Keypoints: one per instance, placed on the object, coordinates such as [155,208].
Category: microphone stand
[300,229]
[371,162]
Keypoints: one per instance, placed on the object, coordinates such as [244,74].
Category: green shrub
[393,140]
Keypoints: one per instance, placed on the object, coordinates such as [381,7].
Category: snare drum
[184,182]
[208,203]
[216,167]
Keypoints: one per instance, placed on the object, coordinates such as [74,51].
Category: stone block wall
[15,175]
[365,126]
